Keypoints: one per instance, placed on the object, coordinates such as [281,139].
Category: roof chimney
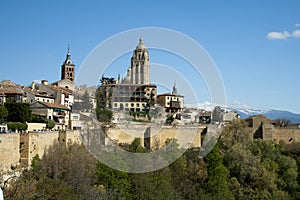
[44,82]
[32,85]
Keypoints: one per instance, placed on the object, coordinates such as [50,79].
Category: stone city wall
[21,148]
[157,136]
[10,153]
[288,135]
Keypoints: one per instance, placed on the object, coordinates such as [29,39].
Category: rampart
[154,136]
[10,151]
[19,149]
[287,135]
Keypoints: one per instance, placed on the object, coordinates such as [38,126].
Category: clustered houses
[53,101]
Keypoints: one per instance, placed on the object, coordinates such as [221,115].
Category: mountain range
[245,111]
[272,114]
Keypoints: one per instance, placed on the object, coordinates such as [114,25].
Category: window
[132,105]
[115,105]
[137,105]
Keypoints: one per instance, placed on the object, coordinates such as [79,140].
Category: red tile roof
[64,90]
[54,105]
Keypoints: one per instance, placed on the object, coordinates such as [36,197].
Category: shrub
[17,126]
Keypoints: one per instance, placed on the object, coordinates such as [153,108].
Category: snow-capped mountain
[272,114]
[245,111]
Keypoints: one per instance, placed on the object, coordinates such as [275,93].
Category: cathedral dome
[141,45]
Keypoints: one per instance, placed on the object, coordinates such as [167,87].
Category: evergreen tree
[86,103]
[217,175]
[3,113]
[18,112]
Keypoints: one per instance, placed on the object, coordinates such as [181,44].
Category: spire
[174,88]
[141,44]
[141,40]
[68,60]
[69,49]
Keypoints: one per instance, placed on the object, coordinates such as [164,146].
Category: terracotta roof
[64,90]
[54,105]
[169,94]
[10,90]
[44,95]
[37,92]
[254,116]
[56,82]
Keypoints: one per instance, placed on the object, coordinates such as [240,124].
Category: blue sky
[255,44]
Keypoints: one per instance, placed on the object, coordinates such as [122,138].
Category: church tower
[68,68]
[140,65]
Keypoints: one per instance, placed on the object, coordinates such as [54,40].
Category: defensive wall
[19,149]
[156,136]
[10,153]
[287,135]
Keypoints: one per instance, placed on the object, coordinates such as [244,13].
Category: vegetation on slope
[236,168]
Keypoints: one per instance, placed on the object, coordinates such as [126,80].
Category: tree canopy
[18,112]
[236,168]
[3,113]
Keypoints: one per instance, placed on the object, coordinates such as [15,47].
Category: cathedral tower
[139,71]
[68,68]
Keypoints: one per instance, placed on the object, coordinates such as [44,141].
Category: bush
[104,115]
[17,126]
[38,119]
[50,124]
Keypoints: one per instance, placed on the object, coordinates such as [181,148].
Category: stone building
[134,92]
[68,68]
[11,91]
[172,102]
[54,111]
[229,116]
[256,121]
[62,95]
[139,70]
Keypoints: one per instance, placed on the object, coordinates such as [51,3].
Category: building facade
[133,93]
[172,102]
[127,97]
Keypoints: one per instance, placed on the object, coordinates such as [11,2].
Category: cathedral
[134,92]
[139,71]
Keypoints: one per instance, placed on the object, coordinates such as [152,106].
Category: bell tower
[140,65]
[68,68]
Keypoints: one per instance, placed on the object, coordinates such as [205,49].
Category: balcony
[59,114]
[175,104]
